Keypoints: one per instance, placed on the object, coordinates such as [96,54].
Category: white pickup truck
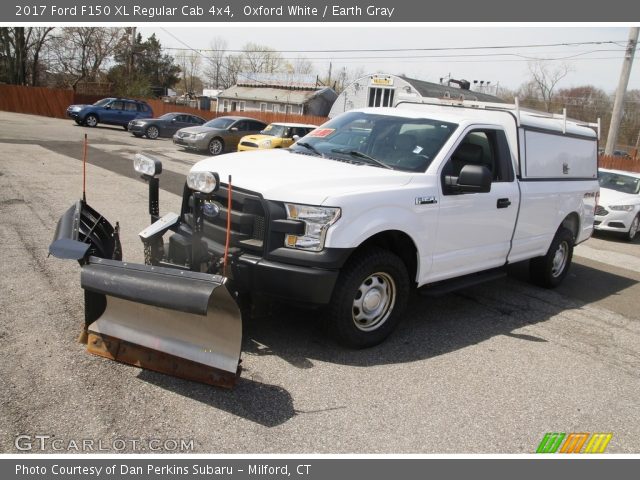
[358,212]
[379,201]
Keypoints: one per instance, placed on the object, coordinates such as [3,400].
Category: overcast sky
[597,65]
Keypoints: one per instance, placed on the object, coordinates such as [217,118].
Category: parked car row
[217,136]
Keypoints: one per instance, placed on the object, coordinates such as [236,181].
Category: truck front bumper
[306,285]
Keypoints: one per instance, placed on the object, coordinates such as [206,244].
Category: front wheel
[549,271]
[216,146]
[368,299]
[633,228]
[91,120]
[152,132]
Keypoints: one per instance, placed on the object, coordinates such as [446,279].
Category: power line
[426,49]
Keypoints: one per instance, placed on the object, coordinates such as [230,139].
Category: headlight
[147,165]
[265,144]
[198,136]
[205,182]
[622,208]
[317,221]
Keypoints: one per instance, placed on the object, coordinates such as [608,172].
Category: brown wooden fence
[50,102]
[619,163]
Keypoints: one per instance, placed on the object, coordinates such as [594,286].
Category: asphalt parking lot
[489,369]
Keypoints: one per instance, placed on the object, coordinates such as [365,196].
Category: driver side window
[484,147]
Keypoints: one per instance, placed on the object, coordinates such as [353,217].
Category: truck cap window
[408,144]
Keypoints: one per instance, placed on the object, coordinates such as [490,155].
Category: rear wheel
[152,132]
[91,120]
[633,228]
[216,146]
[549,271]
[368,299]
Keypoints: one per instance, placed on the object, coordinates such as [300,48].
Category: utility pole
[132,45]
[616,116]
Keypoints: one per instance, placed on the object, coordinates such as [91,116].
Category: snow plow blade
[177,322]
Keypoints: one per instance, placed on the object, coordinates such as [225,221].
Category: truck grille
[247,219]
[601,211]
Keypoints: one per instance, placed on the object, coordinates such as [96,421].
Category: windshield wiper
[310,147]
[364,156]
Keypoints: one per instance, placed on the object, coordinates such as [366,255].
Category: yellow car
[275,135]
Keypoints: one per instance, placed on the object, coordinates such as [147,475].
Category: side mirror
[174,120]
[296,138]
[234,129]
[472,179]
[107,107]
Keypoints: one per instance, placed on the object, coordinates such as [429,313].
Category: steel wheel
[368,299]
[215,146]
[374,301]
[560,260]
[152,132]
[91,121]
[549,270]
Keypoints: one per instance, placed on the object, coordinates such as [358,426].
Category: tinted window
[130,107]
[242,125]
[117,105]
[256,125]
[143,107]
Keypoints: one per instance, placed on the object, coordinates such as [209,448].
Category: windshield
[274,130]
[408,144]
[103,102]
[222,123]
[619,182]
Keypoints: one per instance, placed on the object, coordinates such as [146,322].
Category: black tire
[152,132]
[78,122]
[126,128]
[91,120]
[216,146]
[549,270]
[633,229]
[380,276]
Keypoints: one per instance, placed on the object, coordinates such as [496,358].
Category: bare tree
[215,62]
[260,59]
[189,63]
[545,78]
[36,40]
[301,66]
[81,52]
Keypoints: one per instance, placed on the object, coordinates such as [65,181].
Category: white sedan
[619,207]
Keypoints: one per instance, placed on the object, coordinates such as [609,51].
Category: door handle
[503,203]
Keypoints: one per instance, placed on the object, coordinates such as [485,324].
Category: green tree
[152,71]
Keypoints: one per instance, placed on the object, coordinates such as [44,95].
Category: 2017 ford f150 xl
[376,202]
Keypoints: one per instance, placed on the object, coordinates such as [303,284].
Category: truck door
[475,229]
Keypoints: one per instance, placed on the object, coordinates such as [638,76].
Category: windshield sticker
[417,150]
[322,132]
